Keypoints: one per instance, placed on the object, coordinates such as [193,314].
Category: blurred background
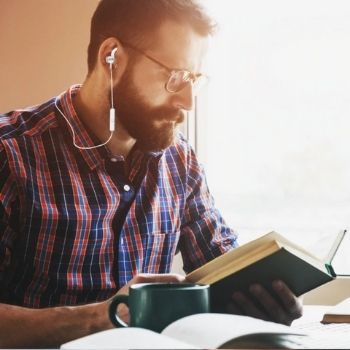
[43,49]
[274,137]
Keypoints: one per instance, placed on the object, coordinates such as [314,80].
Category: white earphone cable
[110,60]
[111,75]
[74,140]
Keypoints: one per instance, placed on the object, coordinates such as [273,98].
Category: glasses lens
[179,79]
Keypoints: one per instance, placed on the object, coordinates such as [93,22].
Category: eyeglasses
[178,78]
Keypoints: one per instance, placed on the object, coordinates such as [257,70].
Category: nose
[184,99]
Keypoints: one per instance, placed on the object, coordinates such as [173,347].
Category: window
[274,123]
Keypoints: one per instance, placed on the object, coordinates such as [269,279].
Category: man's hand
[263,305]
[123,311]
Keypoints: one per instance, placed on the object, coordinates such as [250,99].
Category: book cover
[263,260]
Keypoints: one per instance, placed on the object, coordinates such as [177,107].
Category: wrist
[97,314]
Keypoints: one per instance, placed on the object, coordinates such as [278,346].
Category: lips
[178,118]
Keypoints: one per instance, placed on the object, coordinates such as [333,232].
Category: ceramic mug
[156,305]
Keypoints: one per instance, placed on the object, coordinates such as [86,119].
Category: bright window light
[275,135]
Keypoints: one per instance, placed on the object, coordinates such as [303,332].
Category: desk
[331,336]
[312,313]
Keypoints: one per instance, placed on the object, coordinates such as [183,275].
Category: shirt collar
[81,136]
[93,157]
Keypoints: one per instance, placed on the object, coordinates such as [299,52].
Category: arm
[204,233]
[51,327]
[24,327]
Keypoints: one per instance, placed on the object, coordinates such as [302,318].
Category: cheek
[156,98]
[151,87]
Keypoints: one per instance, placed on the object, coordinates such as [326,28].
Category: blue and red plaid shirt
[74,228]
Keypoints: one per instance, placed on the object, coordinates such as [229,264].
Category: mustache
[169,114]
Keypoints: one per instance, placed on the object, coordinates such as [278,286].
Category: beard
[154,129]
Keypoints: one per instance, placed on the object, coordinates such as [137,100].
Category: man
[86,210]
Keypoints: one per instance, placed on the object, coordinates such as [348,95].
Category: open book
[264,260]
[203,331]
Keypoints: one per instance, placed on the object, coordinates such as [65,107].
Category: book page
[210,330]
[127,338]
[242,256]
[222,265]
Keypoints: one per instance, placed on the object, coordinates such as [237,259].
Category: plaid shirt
[71,232]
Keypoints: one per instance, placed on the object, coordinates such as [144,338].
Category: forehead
[180,46]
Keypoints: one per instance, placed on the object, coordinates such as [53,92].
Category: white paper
[212,330]
[126,338]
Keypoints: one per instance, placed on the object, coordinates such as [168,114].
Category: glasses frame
[190,76]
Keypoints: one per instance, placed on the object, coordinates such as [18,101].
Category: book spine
[330,270]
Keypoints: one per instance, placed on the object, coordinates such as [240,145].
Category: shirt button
[113,159]
[126,188]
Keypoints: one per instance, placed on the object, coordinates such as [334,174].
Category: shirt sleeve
[9,217]
[204,233]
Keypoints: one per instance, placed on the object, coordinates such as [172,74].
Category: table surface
[327,336]
[312,313]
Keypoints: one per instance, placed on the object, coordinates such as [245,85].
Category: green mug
[156,305]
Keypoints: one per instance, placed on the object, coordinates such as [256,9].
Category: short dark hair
[134,21]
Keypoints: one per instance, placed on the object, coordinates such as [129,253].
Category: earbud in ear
[111,58]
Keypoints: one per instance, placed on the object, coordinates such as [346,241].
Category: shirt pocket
[160,248]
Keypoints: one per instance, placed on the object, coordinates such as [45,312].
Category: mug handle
[116,320]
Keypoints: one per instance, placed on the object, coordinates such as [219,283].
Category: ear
[109,46]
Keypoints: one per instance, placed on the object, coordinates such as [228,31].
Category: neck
[93,110]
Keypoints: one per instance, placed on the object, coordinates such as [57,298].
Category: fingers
[290,302]
[166,277]
[151,278]
[284,308]
[233,308]
[272,307]
[247,306]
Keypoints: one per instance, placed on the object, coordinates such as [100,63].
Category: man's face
[148,112]
[154,128]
